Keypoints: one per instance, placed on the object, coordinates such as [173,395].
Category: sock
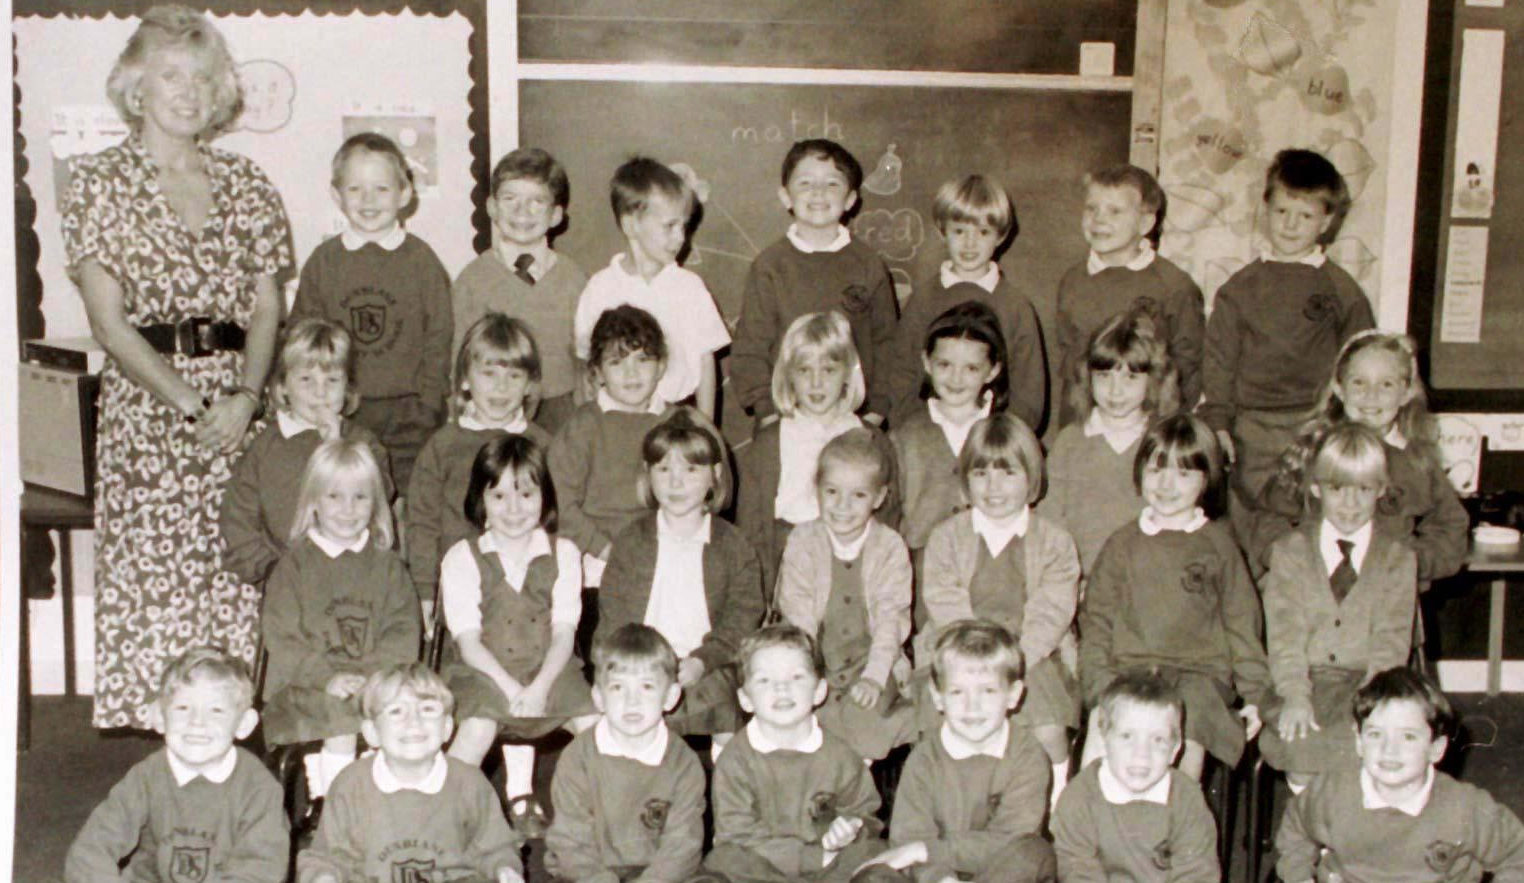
[518,769]
[332,763]
[313,764]
[717,743]
[1060,779]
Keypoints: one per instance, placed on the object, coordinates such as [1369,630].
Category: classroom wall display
[1245,80]
[310,80]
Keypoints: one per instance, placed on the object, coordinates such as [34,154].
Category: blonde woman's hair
[335,461]
[831,333]
[175,27]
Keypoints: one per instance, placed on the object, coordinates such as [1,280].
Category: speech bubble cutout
[895,234]
[269,91]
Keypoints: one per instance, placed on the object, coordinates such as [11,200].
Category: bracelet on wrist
[253,396]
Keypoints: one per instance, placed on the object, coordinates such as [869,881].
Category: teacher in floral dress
[176,248]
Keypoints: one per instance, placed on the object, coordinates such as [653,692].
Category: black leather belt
[195,337]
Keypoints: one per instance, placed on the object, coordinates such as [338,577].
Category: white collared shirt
[849,551]
[388,783]
[843,237]
[291,425]
[1314,258]
[1117,794]
[677,607]
[607,743]
[1095,264]
[607,403]
[537,270]
[333,549]
[1118,439]
[764,745]
[954,431]
[1395,438]
[991,278]
[391,240]
[800,441]
[472,420]
[998,536]
[460,583]
[216,772]
[1411,805]
[1149,523]
[1328,545]
[959,748]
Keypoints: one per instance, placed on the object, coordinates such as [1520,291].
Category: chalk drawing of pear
[885,178]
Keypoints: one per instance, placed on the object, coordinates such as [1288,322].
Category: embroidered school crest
[353,631]
[1320,308]
[822,807]
[1163,855]
[368,323]
[190,864]
[1200,576]
[413,871]
[654,816]
[1441,856]
[855,299]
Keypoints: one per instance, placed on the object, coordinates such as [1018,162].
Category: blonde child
[1002,562]
[846,582]
[1125,383]
[407,811]
[311,391]
[688,574]
[817,388]
[976,220]
[338,606]
[1375,382]
[199,806]
[389,289]
[1124,209]
[512,598]
[652,205]
[497,371]
[816,266]
[1170,590]
[1339,604]
[521,274]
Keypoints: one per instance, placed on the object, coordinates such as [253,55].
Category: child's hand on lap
[840,835]
[509,875]
[1226,440]
[899,858]
[1249,714]
[530,702]
[344,685]
[865,693]
[1297,720]
[689,670]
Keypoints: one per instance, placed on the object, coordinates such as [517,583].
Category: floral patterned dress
[160,586]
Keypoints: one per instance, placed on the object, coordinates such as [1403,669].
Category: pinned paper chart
[1476,129]
[1465,280]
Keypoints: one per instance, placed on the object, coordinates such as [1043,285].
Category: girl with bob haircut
[338,607]
[1125,382]
[692,577]
[176,28]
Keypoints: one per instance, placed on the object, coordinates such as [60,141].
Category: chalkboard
[945,35]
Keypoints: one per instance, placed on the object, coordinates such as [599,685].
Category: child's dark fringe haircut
[778,635]
[633,645]
[623,330]
[1401,683]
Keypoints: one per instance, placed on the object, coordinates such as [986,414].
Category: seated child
[496,370]
[817,388]
[816,266]
[686,573]
[846,582]
[512,599]
[311,391]
[629,794]
[1000,561]
[1277,326]
[975,218]
[652,205]
[1124,209]
[1129,816]
[1125,383]
[1170,590]
[791,802]
[338,607]
[523,277]
[389,289]
[1339,605]
[408,811]
[971,799]
[1394,816]
[595,458]
[199,809]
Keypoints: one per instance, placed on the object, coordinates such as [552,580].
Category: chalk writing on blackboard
[798,127]
[887,175]
[894,233]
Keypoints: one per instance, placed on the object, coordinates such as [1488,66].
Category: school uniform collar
[1411,806]
[388,783]
[1145,256]
[334,550]
[606,404]
[216,773]
[469,419]
[988,281]
[665,531]
[538,270]
[956,431]
[291,425]
[1118,440]
[849,551]
[1115,793]
[390,240]
[539,544]
[1395,438]
[998,536]
[1328,544]
[608,745]
[959,748]
[843,237]
[802,426]
[763,745]
[618,263]
[1153,528]
[1314,258]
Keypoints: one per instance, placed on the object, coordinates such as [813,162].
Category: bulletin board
[309,79]
[1467,310]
